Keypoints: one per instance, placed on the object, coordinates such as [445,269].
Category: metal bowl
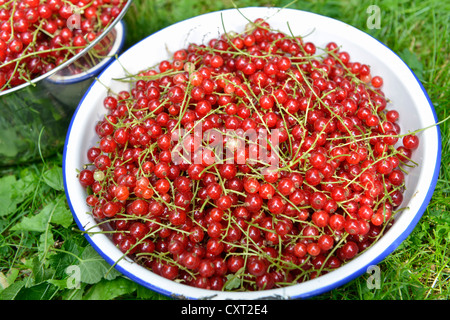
[405,91]
[36,114]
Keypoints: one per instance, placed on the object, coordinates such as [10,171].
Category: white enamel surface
[406,94]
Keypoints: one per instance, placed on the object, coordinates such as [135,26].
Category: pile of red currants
[38,35]
[252,162]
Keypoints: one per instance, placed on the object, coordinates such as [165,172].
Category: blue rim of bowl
[97,69]
[357,273]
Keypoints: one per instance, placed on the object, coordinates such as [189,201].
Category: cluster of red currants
[224,224]
[38,35]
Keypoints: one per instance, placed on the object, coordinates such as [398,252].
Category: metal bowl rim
[74,58]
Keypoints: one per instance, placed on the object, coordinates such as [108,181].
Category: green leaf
[443,231]
[41,291]
[147,294]
[45,242]
[111,289]
[54,178]
[13,191]
[61,284]
[62,215]
[9,278]
[8,143]
[38,222]
[40,272]
[75,294]
[8,204]
[66,256]
[54,212]
[413,62]
[234,280]
[12,291]
[440,216]
[93,268]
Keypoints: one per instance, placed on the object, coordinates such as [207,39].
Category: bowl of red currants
[50,52]
[72,81]
[259,153]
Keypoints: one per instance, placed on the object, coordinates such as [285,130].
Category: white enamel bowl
[400,85]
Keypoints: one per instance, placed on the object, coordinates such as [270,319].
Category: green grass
[39,240]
